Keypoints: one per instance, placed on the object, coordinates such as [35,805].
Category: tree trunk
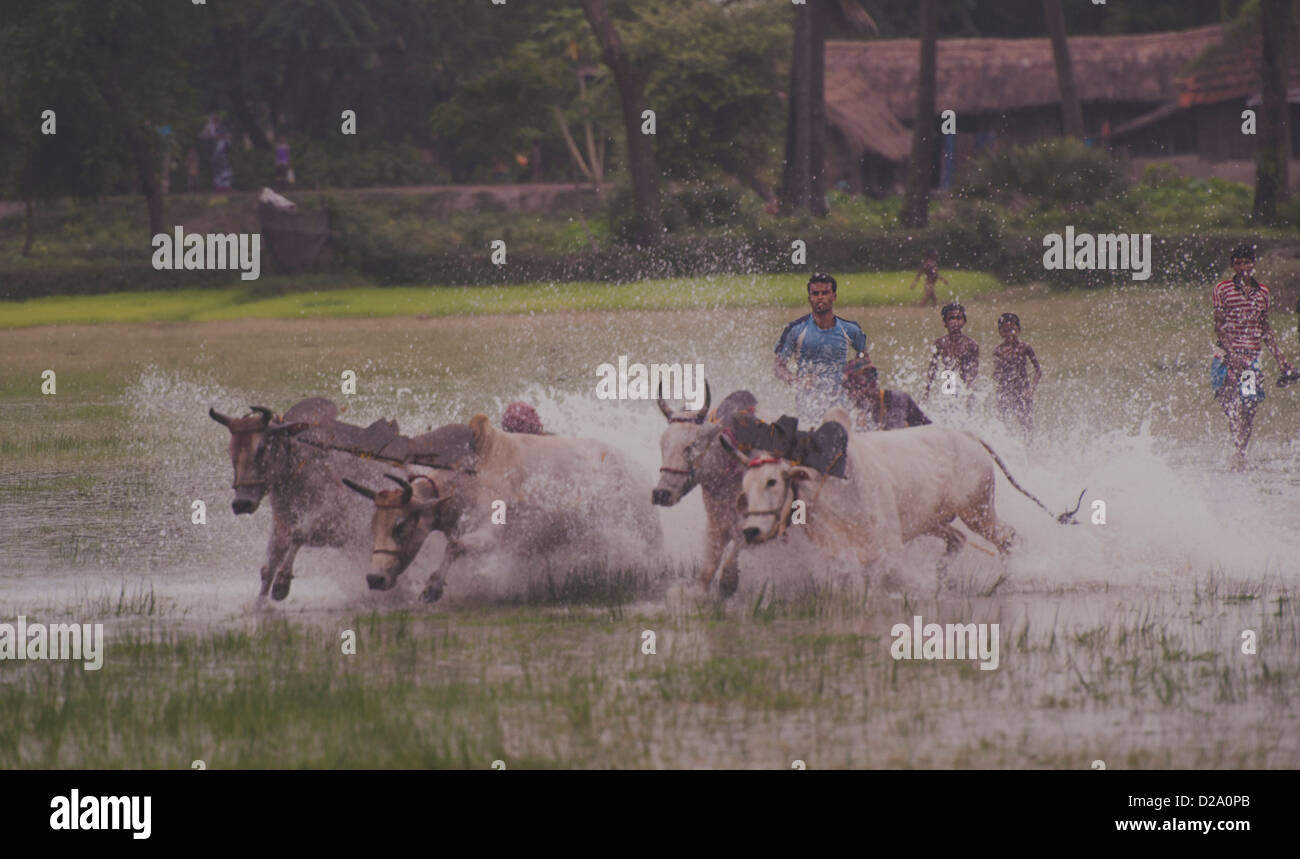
[1272,163]
[916,206]
[631,96]
[797,179]
[817,109]
[27,240]
[1071,107]
[146,165]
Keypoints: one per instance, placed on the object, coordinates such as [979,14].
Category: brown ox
[577,498]
[309,506]
[691,456]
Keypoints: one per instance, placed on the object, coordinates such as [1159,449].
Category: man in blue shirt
[822,344]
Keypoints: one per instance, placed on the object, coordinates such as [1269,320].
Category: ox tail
[1066,518]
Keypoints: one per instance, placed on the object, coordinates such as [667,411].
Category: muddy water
[1124,410]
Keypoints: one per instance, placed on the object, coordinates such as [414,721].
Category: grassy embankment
[886,288]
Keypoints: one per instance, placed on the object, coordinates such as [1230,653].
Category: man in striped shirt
[1241,327]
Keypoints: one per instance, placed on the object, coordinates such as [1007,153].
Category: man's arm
[782,370]
[915,279]
[973,365]
[1038,371]
[1270,340]
[934,368]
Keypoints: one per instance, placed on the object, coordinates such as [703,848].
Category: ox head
[682,448]
[257,442]
[768,492]
[402,520]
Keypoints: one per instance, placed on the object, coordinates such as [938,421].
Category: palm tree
[1071,107]
[916,205]
[1272,161]
[804,182]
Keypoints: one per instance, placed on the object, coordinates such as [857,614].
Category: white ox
[898,486]
[571,498]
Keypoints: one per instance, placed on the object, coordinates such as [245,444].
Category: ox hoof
[729,582]
[377,583]
[432,593]
[280,589]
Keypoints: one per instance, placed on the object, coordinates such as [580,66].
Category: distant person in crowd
[929,268]
[873,407]
[955,351]
[223,174]
[821,344]
[535,158]
[283,169]
[210,134]
[1241,327]
[192,170]
[521,417]
[1015,393]
[165,142]
[499,171]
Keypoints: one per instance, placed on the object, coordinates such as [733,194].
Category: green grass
[884,288]
[563,687]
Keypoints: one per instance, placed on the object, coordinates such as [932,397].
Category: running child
[955,351]
[929,268]
[1015,393]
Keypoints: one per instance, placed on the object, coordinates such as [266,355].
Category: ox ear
[731,449]
[800,474]
[359,489]
[218,417]
[481,429]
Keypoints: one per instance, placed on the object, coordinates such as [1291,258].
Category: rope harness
[784,513]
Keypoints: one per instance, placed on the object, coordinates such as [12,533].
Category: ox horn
[266,413]
[406,487]
[359,489]
[659,398]
[731,449]
[218,417]
[708,398]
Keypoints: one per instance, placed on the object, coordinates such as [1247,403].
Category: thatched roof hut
[871,85]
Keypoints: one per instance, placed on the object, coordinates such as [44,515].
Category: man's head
[931,255]
[861,379]
[821,293]
[1243,259]
[1009,325]
[521,417]
[954,317]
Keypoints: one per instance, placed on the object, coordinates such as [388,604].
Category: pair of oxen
[487,490]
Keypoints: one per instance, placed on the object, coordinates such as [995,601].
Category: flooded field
[1119,642]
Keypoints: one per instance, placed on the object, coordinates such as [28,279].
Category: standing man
[1241,326]
[822,344]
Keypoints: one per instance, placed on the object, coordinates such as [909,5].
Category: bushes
[1063,172]
[344,162]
